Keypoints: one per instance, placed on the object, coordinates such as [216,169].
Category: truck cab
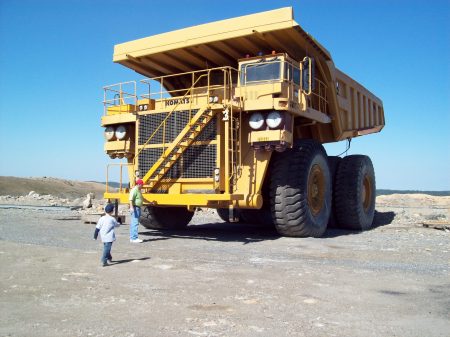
[275,89]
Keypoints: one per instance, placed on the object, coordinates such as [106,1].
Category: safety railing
[120,96]
[318,99]
[123,183]
[191,79]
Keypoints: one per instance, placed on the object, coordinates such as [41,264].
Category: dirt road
[216,279]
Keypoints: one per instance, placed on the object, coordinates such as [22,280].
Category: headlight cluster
[143,107]
[213,99]
[273,120]
[118,133]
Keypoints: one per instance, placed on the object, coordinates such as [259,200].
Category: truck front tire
[300,190]
[165,217]
[355,193]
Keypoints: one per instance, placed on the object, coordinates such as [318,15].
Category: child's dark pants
[106,252]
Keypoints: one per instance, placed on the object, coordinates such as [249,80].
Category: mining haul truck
[232,115]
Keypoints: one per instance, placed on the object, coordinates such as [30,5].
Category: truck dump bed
[353,109]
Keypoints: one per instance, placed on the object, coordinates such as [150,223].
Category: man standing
[135,210]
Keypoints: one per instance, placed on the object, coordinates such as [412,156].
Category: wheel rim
[316,189]
[367,191]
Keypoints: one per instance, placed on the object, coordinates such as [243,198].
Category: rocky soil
[218,279]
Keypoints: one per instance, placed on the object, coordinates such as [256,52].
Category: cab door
[292,75]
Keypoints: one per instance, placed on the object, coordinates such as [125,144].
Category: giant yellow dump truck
[232,115]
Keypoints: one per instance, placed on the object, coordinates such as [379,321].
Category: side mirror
[308,74]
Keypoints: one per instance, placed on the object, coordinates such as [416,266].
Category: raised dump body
[230,113]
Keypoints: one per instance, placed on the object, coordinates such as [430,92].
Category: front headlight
[213,99]
[109,133]
[121,132]
[256,121]
[274,119]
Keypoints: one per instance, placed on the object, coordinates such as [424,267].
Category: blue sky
[55,57]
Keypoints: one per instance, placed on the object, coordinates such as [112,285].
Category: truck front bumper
[186,199]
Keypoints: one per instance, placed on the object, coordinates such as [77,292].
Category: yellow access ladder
[186,137]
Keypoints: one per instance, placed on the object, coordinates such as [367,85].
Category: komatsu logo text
[176,101]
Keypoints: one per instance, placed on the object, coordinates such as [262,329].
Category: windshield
[258,72]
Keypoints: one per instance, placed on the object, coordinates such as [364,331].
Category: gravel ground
[216,279]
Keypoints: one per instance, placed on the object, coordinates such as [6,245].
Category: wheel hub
[316,189]
[366,194]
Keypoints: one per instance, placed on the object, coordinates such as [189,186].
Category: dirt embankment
[61,188]
[46,191]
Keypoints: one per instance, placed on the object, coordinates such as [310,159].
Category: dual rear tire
[310,190]
[354,193]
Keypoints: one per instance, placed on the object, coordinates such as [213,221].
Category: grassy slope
[57,187]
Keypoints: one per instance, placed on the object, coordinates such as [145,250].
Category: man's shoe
[136,240]
[105,264]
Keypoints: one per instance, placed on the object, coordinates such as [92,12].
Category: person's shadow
[114,262]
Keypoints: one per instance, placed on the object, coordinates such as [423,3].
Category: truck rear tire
[355,193]
[165,217]
[301,190]
[333,164]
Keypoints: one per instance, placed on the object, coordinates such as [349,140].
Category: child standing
[106,226]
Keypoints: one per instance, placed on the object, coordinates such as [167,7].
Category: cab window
[260,72]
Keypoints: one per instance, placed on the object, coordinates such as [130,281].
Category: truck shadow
[249,233]
[380,219]
[219,231]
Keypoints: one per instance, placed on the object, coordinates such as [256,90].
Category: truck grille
[198,161]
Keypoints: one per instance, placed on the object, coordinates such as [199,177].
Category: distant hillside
[434,193]
[74,189]
[112,184]
[45,185]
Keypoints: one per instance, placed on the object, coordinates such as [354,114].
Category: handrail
[161,79]
[121,174]
[215,86]
[124,96]
[185,73]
